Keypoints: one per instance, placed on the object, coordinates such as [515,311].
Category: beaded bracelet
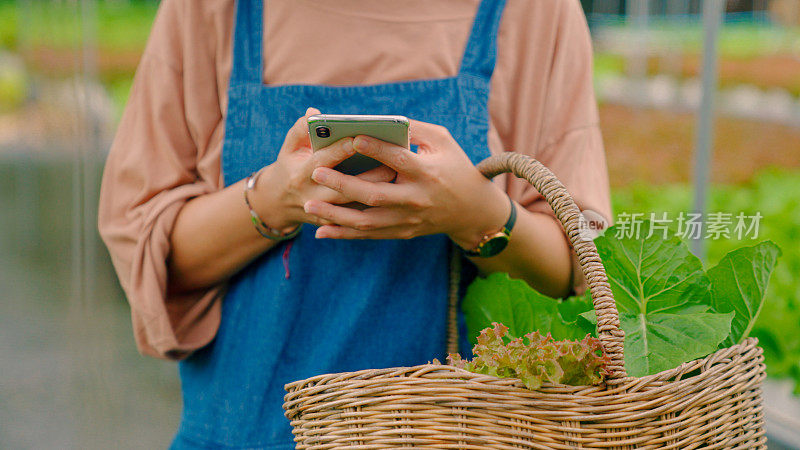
[262,228]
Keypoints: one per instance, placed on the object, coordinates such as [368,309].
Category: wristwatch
[494,243]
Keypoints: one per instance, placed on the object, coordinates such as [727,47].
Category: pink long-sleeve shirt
[169,142]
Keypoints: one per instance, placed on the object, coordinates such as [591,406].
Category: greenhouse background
[70,376]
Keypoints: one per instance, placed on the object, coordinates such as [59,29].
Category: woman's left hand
[437,190]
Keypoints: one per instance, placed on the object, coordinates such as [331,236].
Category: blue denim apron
[347,305]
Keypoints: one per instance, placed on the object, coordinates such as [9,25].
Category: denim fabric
[347,305]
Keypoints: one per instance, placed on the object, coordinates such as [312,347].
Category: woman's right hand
[213,237]
[286,185]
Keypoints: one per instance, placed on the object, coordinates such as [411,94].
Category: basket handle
[611,335]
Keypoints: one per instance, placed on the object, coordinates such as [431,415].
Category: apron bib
[348,305]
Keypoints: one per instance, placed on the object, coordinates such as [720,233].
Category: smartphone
[325,129]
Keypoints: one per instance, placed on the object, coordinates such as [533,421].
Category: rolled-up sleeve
[150,173]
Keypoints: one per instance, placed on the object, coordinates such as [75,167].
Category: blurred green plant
[607,65]
[736,39]
[119,89]
[775,194]
[44,33]
[8,25]
[13,83]
[756,54]
[57,25]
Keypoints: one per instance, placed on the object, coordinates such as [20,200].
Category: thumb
[297,137]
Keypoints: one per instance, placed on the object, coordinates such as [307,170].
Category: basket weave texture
[713,403]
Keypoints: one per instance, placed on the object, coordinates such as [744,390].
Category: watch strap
[509,225]
[512,218]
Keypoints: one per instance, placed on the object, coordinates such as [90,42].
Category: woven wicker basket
[713,402]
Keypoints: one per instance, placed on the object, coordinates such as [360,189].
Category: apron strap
[248,42]
[481,51]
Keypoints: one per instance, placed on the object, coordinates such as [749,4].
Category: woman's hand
[213,237]
[437,190]
[286,185]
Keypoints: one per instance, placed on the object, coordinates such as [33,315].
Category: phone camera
[323,132]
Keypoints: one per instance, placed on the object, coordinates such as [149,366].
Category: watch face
[494,245]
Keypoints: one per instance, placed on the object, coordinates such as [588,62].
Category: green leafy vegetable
[663,297]
[662,341]
[571,309]
[738,284]
[499,298]
[671,310]
[652,275]
[659,342]
[536,358]
[774,196]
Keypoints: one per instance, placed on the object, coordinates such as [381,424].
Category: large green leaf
[738,284]
[662,292]
[663,296]
[774,195]
[499,298]
[661,341]
[571,308]
[650,275]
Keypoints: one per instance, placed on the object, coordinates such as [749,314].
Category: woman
[211,104]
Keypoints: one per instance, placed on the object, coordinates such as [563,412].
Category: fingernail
[319,175]
[309,208]
[319,234]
